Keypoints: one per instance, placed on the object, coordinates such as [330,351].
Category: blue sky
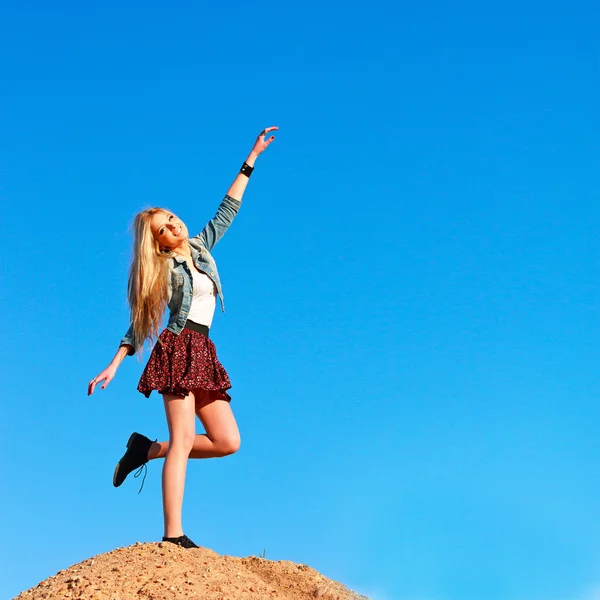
[411,285]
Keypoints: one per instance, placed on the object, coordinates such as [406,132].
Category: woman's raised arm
[218,225]
[236,191]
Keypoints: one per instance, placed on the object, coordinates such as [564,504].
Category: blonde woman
[171,270]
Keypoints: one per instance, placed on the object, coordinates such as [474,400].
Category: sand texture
[161,571]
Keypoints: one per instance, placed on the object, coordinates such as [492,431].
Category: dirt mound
[163,571]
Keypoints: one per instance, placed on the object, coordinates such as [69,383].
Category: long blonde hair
[148,286]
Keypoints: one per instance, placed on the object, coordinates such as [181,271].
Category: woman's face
[169,231]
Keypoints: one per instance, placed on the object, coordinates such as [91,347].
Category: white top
[204,299]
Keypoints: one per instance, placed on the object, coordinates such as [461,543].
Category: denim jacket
[180,284]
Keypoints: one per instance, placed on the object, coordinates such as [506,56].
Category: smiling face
[169,231]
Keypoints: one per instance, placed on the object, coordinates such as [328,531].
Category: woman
[169,269]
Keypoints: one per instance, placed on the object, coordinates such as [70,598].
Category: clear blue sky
[411,285]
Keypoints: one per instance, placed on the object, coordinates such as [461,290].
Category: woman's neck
[183,250]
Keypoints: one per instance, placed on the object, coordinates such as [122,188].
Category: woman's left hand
[262,141]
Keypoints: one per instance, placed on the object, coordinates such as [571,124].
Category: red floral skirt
[182,363]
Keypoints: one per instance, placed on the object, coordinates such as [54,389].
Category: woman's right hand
[105,376]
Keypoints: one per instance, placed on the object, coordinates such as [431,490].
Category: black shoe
[182,540]
[135,457]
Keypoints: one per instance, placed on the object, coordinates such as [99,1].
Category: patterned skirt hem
[216,394]
[182,363]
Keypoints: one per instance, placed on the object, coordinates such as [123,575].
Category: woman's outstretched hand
[106,377]
[236,190]
[262,141]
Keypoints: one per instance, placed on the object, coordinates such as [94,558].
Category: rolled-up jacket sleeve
[218,225]
[129,339]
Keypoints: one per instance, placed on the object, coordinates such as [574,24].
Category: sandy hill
[161,571]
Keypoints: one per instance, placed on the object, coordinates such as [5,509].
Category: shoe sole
[129,443]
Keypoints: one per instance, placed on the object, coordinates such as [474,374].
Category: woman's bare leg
[182,432]
[219,423]
[222,436]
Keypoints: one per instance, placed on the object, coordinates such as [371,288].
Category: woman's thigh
[180,413]
[217,418]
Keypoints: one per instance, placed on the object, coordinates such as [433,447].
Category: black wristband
[246,169]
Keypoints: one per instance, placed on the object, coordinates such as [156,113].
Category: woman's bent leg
[219,423]
[181,421]
[222,436]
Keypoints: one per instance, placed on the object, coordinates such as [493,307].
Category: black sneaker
[182,540]
[135,457]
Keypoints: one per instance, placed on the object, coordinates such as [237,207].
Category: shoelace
[139,472]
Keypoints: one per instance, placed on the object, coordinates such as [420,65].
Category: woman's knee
[229,444]
[183,441]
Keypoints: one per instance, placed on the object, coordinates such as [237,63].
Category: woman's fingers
[94,382]
[92,385]
[261,143]
[268,130]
